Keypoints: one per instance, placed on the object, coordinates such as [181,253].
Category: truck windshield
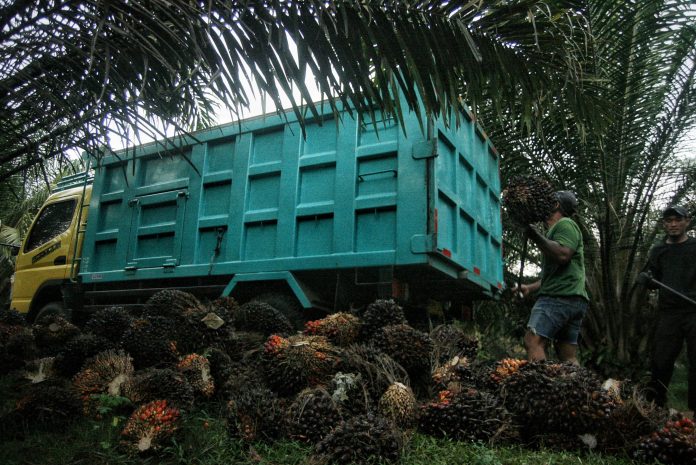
[53,220]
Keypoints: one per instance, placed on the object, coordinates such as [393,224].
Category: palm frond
[75,74]
[642,58]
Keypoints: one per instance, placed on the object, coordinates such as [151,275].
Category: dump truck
[318,217]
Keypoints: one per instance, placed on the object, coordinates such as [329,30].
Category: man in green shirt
[562,303]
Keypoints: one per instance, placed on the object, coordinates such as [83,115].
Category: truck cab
[49,254]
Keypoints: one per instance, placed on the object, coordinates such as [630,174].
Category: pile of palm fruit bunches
[354,385]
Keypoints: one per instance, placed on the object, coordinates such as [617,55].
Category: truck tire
[53,308]
[286,304]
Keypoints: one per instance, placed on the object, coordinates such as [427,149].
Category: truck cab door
[44,256]
[156,230]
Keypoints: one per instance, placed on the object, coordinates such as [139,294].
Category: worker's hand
[520,225]
[521,292]
[644,278]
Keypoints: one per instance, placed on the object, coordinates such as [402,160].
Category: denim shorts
[558,318]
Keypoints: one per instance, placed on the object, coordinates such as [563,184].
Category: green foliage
[97,442]
[678,388]
[501,328]
[425,449]
[107,404]
[626,167]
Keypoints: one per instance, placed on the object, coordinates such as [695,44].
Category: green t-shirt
[569,279]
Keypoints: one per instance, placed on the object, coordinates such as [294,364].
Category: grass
[678,388]
[203,440]
[97,443]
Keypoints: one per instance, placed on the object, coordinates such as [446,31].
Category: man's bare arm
[551,249]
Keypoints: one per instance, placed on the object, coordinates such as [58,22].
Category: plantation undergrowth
[204,441]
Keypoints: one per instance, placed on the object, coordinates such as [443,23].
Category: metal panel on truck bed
[256,196]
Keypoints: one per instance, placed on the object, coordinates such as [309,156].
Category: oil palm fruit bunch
[631,419]
[298,362]
[171,303]
[312,415]
[451,341]
[152,342]
[469,415]
[675,443]
[210,331]
[7,330]
[221,365]
[17,344]
[381,313]
[160,383]
[182,310]
[242,376]
[48,405]
[241,343]
[106,373]
[398,404]
[39,370]
[255,414]
[11,322]
[225,307]
[557,398]
[76,352]
[340,328]
[261,317]
[22,343]
[110,323]
[361,439]
[376,370]
[504,368]
[196,370]
[11,318]
[528,199]
[285,376]
[407,346]
[210,326]
[51,333]
[480,375]
[150,425]
[453,375]
[621,390]
[350,392]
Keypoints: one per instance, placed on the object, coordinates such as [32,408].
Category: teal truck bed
[357,209]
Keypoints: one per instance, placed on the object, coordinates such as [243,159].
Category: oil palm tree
[75,73]
[644,59]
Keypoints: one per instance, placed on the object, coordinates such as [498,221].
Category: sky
[687,148]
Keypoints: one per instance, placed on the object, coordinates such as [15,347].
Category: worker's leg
[544,322]
[535,345]
[567,352]
[567,338]
[689,326]
[669,339]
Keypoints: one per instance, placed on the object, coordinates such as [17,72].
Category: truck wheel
[286,304]
[53,308]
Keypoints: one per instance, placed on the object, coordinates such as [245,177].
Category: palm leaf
[626,168]
[75,74]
